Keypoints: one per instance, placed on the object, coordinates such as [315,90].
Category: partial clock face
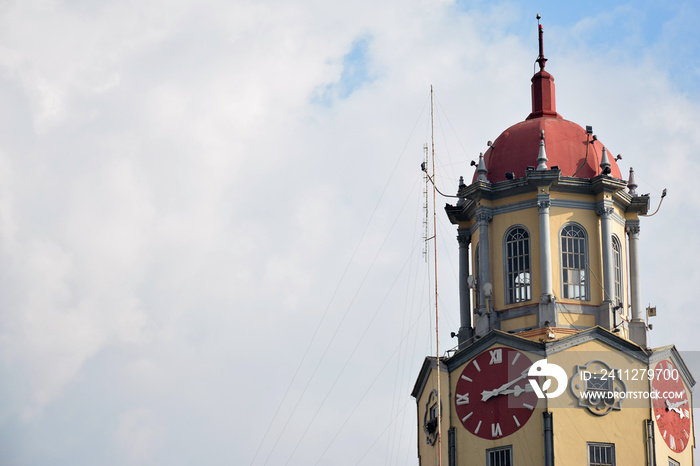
[493,397]
[672,406]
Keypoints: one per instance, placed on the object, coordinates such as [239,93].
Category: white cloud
[176,211]
[139,435]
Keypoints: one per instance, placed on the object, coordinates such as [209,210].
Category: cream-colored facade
[563,429]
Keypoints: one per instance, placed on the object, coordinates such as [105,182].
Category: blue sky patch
[354,75]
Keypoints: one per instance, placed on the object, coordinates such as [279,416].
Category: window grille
[518,287]
[599,388]
[501,456]
[617,260]
[672,462]
[574,263]
[601,454]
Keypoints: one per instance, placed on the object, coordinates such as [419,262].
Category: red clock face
[493,397]
[672,406]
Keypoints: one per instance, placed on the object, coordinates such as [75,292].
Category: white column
[482,322]
[465,324]
[638,329]
[547,314]
[608,261]
[635,289]
[606,313]
[543,205]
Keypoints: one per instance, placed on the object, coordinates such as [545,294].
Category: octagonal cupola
[548,232]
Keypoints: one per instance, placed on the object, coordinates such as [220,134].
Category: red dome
[565,144]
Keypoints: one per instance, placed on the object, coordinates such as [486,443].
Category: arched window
[617,263]
[574,263]
[517,254]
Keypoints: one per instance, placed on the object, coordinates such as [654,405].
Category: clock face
[672,406]
[493,397]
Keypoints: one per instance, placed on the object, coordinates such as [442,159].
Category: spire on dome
[481,169]
[543,101]
[604,162]
[540,60]
[632,183]
[542,156]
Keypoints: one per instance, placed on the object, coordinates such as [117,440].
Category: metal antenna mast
[426,204]
[437,328]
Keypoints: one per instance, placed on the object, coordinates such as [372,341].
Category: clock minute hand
[517,390]
[486,394]
[675,406]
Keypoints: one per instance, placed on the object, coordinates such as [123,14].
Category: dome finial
[632,183]
[543,100]
[542,156]
[604,162]
[540,59]
[481,169]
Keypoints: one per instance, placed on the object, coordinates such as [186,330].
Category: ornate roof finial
[632,183]
[542,156]
[543,100]
[604,162]
[540,60]
[481,169]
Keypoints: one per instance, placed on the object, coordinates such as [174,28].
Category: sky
[211,213]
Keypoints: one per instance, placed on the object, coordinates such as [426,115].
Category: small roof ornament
[605,163]
[542,155]
[481,169]
[632,183]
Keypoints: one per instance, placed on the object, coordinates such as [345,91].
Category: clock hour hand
[486,394]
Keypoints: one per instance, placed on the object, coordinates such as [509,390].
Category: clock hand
[517,390]
[675,406]
[486,394]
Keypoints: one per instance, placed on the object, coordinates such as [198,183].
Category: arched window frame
[517,265]
[617,266]
[578,256]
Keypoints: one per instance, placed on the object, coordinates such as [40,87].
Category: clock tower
[552,363]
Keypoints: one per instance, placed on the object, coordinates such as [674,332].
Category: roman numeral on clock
[496,430]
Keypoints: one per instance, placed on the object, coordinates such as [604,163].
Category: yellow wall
[517,323]
[576,320]
[573,425]
[427,453]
